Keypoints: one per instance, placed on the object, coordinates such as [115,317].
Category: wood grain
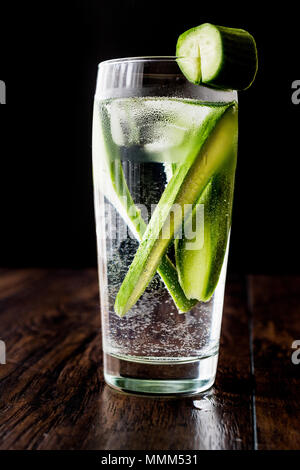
[52,391]
[275,308]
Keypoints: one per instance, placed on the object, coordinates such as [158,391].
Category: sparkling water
[138,142]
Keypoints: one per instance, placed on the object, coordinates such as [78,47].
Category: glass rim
[154,58]
[105,66]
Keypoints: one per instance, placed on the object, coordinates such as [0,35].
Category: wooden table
[52,394]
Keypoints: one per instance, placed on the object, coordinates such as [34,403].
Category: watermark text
[2,352]
[296,354]
[2,92]
[296,92]
[171,222]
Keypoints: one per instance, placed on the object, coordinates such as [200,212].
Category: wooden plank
[275,307]
[52,391]
[51,383]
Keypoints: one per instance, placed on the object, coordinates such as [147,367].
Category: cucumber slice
[122,200]
[199,269]
[185,187]
[228,56]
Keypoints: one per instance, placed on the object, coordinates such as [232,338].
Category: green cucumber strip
[184,188]
[228,56]
[132,215]
[169,275]
[199,269]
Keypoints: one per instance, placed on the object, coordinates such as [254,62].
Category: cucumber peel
[199,269]
[185,187]
[218,56]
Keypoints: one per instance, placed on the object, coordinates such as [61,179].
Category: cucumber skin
[217,199]
[153,247]
[239,59]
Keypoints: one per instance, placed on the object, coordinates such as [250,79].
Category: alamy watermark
[296,92]
[2,352]
[2,92]
[174,221]
[296,354]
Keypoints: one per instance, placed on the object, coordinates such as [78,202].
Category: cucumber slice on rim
[218,56]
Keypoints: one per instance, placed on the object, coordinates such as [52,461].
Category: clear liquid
[146,137]
[153,328]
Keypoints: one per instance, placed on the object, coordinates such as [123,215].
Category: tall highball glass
[164,158]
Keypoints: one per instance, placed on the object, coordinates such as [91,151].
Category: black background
[49,53]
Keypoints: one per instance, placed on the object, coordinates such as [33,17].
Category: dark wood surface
[52,394]
[275,307]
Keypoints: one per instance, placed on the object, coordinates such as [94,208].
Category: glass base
[160,378]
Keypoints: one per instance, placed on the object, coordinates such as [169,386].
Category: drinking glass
[164,157]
